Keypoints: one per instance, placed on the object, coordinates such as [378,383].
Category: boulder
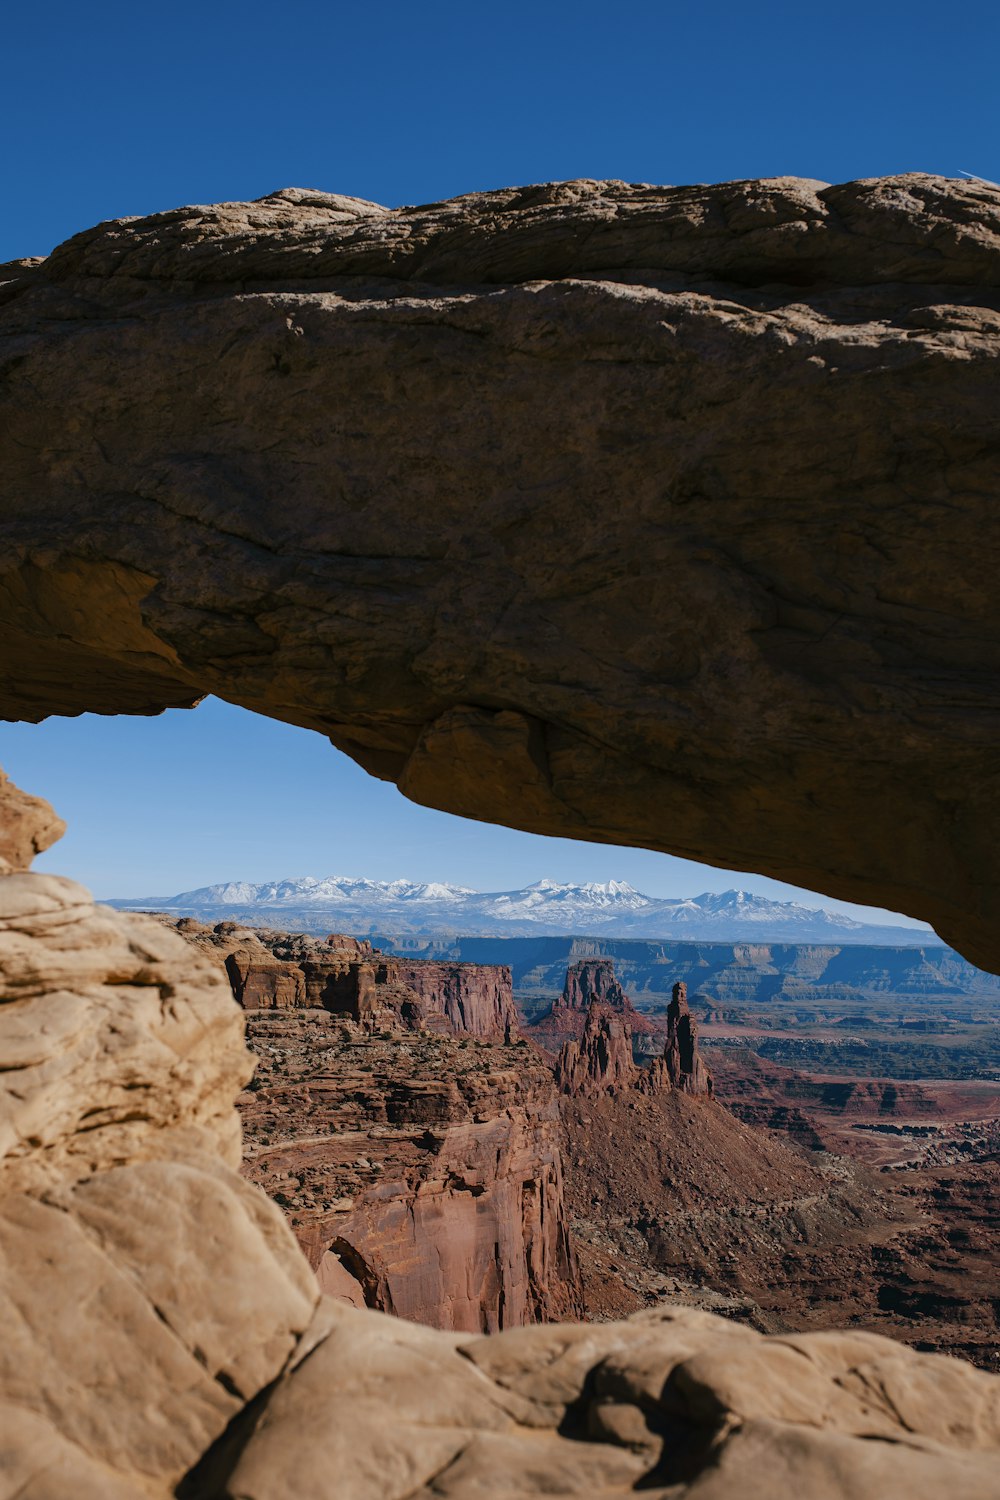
[672,1404]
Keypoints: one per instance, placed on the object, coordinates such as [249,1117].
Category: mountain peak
[611,908]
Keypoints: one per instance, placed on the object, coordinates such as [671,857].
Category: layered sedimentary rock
[652,515]
[593,979]
[125,1355]
[589,982]
[162,1333]
[475,999]
[339,974]
[422,1174]
[681,1066]
[601,1059]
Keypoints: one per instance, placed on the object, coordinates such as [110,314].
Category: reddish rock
[591,979]
[588,981]
[602,1060]
[279,971]
[681,1066]
[476,999]
[421,1174]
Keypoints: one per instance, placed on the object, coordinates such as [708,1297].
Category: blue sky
[118,109]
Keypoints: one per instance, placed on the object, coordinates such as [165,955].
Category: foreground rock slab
[650,515]
[146,1291]
[673,1404]
[164,1336]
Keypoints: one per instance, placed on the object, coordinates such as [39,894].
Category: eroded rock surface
[673,1404]
[590,982]
[601,1059]
[125,1352]
[649,515]
[422,1174]
[28,826]
[279,970]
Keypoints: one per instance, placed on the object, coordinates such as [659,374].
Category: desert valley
[460,1155]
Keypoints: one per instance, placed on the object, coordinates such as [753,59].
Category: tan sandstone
[649,515]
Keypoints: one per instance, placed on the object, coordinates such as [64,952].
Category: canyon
[730,973]
[410,1135]
[638,514]
[579,1165]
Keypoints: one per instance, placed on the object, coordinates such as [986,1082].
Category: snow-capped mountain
[547,908]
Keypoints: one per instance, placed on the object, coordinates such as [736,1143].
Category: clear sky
[115,109]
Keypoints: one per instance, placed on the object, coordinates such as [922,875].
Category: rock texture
[682,1065]
[590,980]
[125,1354]
[475,999]
[422,1174]
[280,971]
[651,515]
[163,1337]
[28,826]
[589,983]
[676,1404]
[601,1059]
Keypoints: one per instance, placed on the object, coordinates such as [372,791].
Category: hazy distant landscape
[611,908]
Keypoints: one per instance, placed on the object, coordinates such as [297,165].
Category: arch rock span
[657,516]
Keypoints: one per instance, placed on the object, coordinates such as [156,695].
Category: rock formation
[27,827]
[125,1352]
[163,1335]
[673,1404]
[422,1174]
[654,515]
[277,970]
[475,999]
[602,1059]
[682,1065]
[593,979]
[676,531]
[589,982]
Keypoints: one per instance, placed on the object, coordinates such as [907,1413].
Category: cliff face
[422,1175]
[593,979]
[463,1224]
[601,1060]
[476,999]
[738,973]
[277,970]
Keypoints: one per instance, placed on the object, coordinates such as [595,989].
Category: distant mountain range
[612,909]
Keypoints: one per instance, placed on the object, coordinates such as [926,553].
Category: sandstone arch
[658,516]
[652,515]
